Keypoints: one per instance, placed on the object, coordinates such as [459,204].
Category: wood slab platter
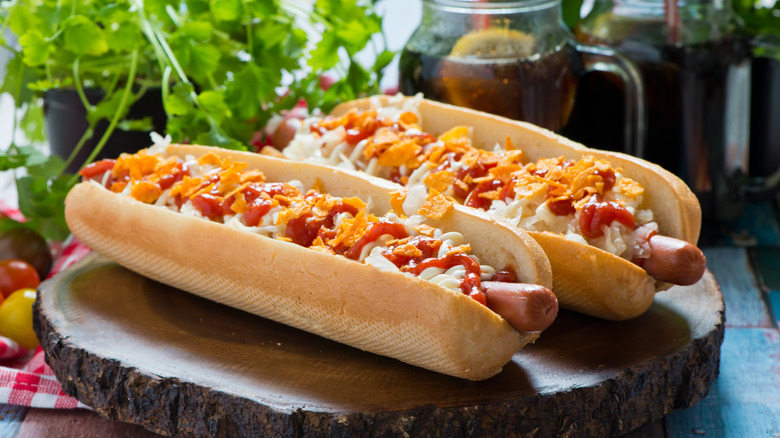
[141,352]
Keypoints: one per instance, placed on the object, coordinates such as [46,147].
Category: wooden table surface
[743,402]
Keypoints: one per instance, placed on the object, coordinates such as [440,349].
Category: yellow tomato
[16,318]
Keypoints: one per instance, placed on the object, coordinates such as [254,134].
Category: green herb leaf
[382,61]
[84,37]
[123,36]
[250,87]
[20,156]
[198,60]
[237,54]
[35,48]
[42,195]
[180,101]
[326,55]
[17,80]
[144,125]
[33,125]
[226,10]
[213,103]
[21,20]
[197,30]
[215,136]
[570,11]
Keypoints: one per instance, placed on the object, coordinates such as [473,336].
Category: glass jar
[696,71]
[511,58]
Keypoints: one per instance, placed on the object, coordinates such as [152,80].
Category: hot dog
[322,250]
[615,228]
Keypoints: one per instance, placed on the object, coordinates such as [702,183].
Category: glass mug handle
[605,59]
[766,58]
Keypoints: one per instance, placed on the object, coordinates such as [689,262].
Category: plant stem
[166,88]
[74,153]
[17,93]
[250,43]
[10,49]
[122,105]
[79,86]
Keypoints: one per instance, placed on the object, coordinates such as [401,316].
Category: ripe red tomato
[17,274]
[27,245]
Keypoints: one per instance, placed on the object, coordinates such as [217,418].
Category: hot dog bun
[585,278]
[387,313]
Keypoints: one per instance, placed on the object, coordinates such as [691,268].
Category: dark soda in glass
[698,107]
[538,89]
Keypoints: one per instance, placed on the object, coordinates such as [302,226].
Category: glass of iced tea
[696,66]
[514,59]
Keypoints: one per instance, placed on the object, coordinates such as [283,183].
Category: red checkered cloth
[25,379]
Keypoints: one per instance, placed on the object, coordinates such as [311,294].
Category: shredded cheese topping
[586,200]
[224,191]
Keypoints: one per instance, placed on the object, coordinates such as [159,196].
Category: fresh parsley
[221,65]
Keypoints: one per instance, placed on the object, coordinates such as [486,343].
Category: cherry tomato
[27,245]
[16,318]
[17,274]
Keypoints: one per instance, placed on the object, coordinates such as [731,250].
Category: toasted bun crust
[595,282]
[676,208]
[387,313]
[586,279]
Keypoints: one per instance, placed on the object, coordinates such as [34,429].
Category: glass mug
[696,69]
[511,58]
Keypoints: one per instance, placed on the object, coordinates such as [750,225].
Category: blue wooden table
[743,402]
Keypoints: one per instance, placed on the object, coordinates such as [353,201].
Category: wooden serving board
[141,352]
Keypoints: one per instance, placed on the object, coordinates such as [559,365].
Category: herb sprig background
[221,64]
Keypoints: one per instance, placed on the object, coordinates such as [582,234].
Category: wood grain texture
[189,366]
[767,262]
[745,306]
[757,225]
[11,418]
[650,430]
[745,399]
[774,304]
[76,423]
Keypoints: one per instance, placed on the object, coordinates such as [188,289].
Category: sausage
[285,132]
[526,307]
[674,261]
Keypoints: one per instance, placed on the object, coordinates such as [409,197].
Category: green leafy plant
[761,19]
[570,13]
[759,16]
[224,67]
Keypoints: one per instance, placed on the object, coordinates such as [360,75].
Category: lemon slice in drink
[479,73]
[494,43]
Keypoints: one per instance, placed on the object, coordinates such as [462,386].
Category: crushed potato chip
[440,181]
[351,230]
[459,249]
[407,249]
[397,199]
[630,188]
[435,206]
[294,211]
[425,230]
[398,154]
[146,192]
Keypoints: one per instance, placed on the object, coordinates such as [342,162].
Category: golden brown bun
[585,278]
[387,313]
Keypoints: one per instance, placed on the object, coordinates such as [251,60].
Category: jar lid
[491,6]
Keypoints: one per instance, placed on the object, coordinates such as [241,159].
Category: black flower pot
[66,123]
[765,114]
